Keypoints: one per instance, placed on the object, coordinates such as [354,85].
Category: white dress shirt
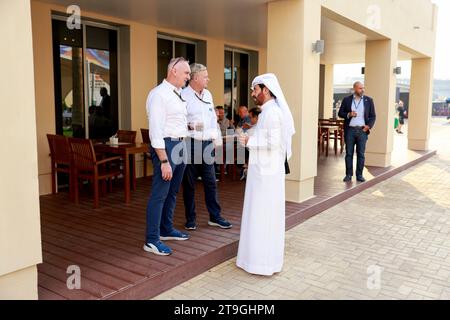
[200,109]
[166,112]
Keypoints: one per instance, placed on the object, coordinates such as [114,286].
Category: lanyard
[179,95]
[354,103]
[205,102]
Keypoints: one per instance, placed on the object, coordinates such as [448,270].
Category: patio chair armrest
[108,160]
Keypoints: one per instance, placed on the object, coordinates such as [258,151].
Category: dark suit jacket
[369,111]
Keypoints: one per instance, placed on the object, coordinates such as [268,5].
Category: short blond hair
[196,68]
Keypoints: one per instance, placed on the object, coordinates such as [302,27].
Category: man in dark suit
[359,114]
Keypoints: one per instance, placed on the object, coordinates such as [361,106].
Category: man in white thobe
[261,245]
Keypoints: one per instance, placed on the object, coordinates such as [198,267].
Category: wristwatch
[164,161]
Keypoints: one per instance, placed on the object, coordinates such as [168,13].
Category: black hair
[262,86]
[256,111]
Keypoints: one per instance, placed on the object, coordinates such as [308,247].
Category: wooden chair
[146,140]
[126,136]
[60,157]
[327,134]
[341,137]
[87,167]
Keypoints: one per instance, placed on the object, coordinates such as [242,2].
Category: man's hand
[366,129]
[166,171]
[243,139]
[352,114]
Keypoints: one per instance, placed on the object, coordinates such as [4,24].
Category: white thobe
[261,245]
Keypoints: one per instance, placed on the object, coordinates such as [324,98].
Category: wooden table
[127,151]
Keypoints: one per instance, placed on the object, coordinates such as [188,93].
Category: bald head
[358,88]
[178,72]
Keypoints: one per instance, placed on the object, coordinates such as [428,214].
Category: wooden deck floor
[107,243]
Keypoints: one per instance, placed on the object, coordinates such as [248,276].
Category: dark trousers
[203,167]
[355,137]
[161,204]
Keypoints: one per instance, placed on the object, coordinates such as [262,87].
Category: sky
[442,59]
[442,64]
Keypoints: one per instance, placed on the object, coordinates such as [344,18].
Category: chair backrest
[126,136]
[59,148]
[145,136]
[83,154]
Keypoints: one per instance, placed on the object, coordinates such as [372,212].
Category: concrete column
[380,82]
[293,26]
[328,91]
[20,240]
[420,103]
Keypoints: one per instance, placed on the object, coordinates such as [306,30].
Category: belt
[207,140]
[358,127]
[174,139]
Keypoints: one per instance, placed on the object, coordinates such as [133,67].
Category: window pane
[164,55]
[227,89]
[185,50]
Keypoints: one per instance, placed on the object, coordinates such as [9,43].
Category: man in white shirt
[203,136]
[166,111]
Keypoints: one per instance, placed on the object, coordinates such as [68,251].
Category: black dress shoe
[361,179]
[347,179]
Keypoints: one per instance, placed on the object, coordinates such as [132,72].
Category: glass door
[171,47]
[236,90]
[86,80]
[69,80]
[101,88]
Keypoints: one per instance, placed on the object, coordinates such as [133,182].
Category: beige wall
[215,62]
[397,20]
[19,285]
[143,66]
[20,240]
[328,91]
[45,99]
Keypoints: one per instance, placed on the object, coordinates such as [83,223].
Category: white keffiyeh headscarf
[271,82]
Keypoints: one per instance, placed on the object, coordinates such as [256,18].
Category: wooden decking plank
[136,262]
[109,267]
[87,285]
[87,271]
[60,288]
[132,249]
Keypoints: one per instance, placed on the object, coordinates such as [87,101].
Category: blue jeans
[205,169]
[355,137]
[161,204]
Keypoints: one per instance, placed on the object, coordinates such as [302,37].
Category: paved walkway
[391,241]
